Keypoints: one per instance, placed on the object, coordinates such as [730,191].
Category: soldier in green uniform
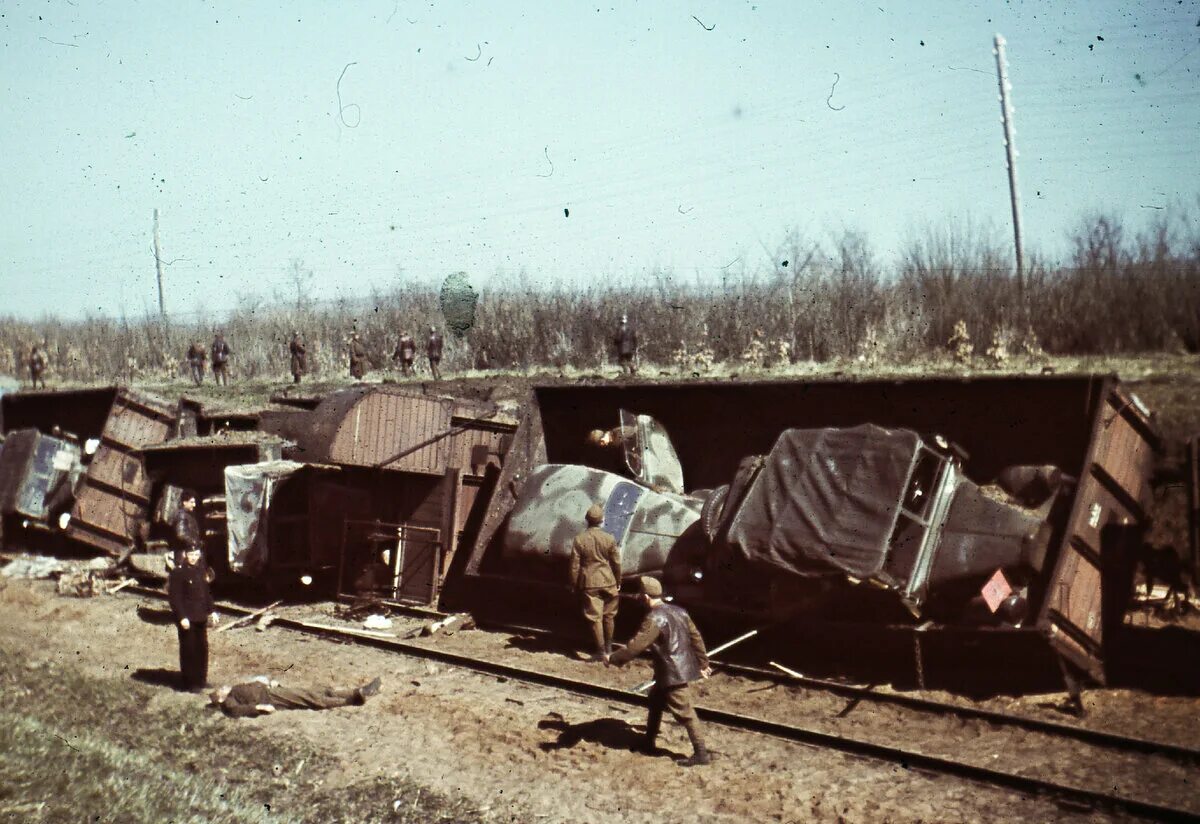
[596,576]
[679,659]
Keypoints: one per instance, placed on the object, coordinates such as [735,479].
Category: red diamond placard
[996,590]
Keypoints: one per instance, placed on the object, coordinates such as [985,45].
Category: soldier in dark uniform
[405,354]
[679,659]
[299,355]
[185,530]
[220,360]
[37,367]
[192,605]
[596,577]
[626,342]
[196,356]
[433,348]
[358,357]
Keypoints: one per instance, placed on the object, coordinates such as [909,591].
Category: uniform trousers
[193,654]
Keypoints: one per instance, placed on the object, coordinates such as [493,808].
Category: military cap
[595,514]
[651,586]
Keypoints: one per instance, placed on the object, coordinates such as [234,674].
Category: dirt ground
[526,753]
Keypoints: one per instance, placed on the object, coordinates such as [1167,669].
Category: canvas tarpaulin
[825,498]
[248,491]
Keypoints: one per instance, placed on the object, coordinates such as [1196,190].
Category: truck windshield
[913,522]
[649,453]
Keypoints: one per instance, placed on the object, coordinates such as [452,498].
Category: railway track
[1079,797]
[1100,738]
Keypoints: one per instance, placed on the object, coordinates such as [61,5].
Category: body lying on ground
[262,696]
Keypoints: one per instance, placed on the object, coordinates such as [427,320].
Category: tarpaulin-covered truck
[846,501]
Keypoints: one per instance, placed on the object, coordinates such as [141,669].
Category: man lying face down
[262,696]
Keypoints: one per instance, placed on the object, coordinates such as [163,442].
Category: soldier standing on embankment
[37,367]
[196,356]
[405,354]
[299,355]
[627,343]
[433,348]
[220,360]
[358,357]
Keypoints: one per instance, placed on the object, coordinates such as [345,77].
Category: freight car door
[1081,596]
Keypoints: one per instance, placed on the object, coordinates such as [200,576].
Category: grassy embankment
[78,748]
[807,302]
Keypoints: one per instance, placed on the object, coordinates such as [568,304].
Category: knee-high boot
[700,754]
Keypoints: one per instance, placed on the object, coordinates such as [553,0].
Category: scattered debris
[377,621]
[445,626]
[246,619]
[33,567]
[360,609]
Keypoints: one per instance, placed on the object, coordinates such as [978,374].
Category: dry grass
[818,302]
[76,748]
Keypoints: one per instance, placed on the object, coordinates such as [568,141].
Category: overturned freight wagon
[374,497]
[107,502]
[197,463]
[814,504]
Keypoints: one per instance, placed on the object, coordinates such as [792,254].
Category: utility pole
[162,305]
[1011,159]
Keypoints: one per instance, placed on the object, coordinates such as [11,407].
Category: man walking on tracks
[220,360]
[679,659]
[596,577]
[261,696]
[192,605]
[627,343]
[405,354]
[37,367]
[433,348]
[299,353]
[196,356]
[358,357]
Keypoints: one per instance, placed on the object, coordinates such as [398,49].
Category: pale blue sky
[671,145]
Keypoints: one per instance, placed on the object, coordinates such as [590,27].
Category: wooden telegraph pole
[1011,159]
[158,265]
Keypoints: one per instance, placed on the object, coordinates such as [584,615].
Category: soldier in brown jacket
[596,576]
[679,659]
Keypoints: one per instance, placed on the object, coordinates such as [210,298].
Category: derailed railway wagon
[1076,553]
[378,488]
[109,500]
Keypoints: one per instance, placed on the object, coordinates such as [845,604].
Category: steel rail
[1100,738]
[908,759]
[1087,735]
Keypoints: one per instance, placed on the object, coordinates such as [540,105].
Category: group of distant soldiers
[197,356]
[404,356]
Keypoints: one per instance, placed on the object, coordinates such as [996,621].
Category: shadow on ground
[158,677]
[613,733]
